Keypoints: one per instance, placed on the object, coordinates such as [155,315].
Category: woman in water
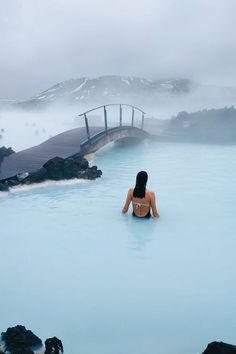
[142,199]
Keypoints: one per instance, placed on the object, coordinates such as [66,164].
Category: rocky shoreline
[19,340]
[55,169]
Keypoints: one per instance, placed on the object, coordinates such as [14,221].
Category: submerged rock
[55,169]
[220,348]
[19,340]
[53,346]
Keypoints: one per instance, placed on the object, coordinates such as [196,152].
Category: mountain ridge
[108,88]
[172,94]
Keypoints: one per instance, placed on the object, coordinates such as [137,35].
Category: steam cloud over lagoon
[53,40]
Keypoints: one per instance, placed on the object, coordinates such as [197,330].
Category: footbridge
[86,139]
[124,129]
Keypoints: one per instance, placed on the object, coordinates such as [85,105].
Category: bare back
[141,206]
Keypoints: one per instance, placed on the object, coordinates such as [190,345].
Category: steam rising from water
[24,188]
[22,129]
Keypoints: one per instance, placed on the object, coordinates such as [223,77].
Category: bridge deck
[63,145]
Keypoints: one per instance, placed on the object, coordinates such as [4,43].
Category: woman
[142,199]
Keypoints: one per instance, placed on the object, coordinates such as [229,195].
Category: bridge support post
[120,116]
[132,123]
[87,126]
[105,118]
[142,124]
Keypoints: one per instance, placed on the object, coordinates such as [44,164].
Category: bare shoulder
[130,191]
[151,193]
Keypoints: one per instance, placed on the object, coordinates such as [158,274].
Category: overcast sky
[47,41]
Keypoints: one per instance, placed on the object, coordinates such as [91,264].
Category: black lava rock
[19,340]
[55,169]
[71,167]
[93,172]
[22,176]
[83,163]
[53,346]
[220,348]
[13,181]
[36,177]
[4,187]
[22,351]
[4,152]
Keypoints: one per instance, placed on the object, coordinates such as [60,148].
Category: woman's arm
[153,205]
[127,202]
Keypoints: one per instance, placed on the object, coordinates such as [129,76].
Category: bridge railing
[121,120]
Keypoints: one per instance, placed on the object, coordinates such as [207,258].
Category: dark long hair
[140,187]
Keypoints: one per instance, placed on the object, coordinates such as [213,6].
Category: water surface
[105,283]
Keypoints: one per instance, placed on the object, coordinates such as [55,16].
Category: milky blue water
[105,283]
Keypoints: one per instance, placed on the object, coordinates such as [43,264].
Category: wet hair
[140,187]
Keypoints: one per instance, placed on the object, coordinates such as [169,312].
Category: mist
[21,130]
[25,125]
[46,42]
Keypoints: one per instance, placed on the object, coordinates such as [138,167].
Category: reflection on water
[73,266]
[141,232]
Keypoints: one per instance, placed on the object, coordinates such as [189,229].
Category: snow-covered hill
[160,98]
[107,89]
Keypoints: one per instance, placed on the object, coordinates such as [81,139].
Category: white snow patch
[126,81]
[167,86]
[80,86]
[51,90]
[92,87]
[41,97]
